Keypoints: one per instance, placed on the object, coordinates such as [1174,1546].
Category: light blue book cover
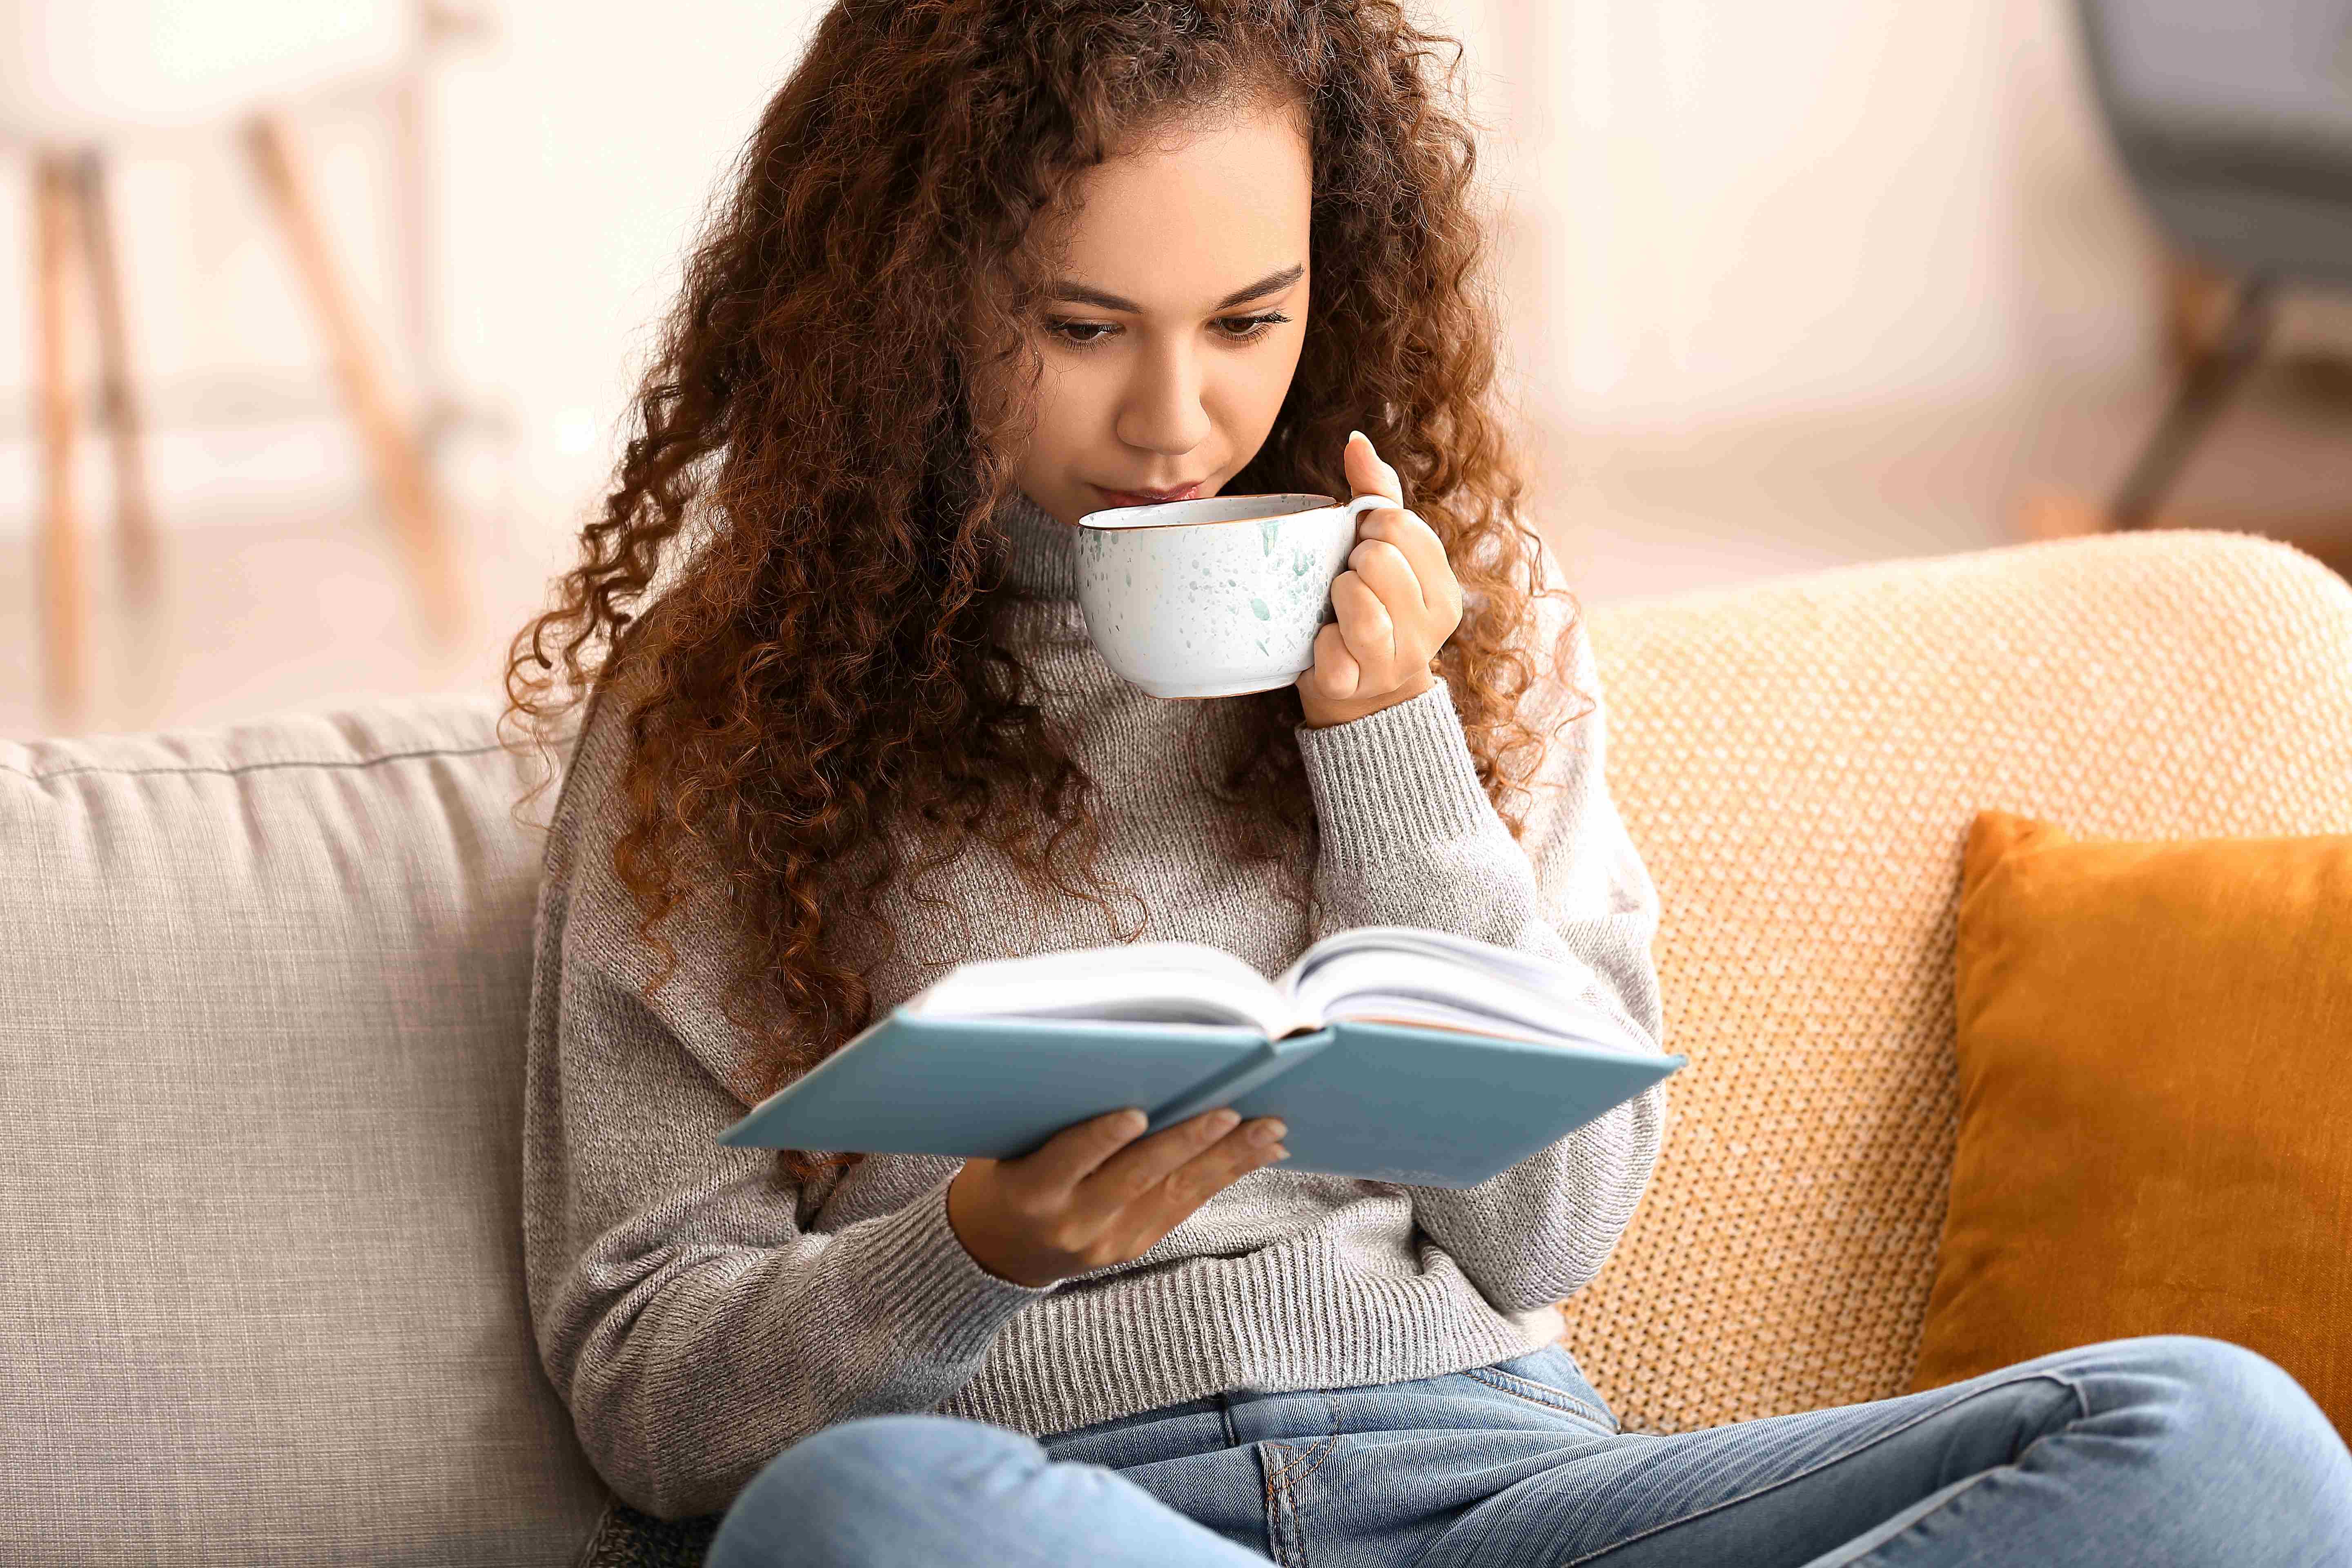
[1380,1098]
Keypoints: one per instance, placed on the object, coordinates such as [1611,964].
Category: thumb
[1366,475]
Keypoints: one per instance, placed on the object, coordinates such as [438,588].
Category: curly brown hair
[823,680]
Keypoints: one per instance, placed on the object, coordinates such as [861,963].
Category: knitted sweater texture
[698,1313]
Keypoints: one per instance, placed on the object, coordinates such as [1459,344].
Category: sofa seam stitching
[342,762]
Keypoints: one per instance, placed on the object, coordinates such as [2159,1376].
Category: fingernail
[1269,1131]
[1223,1121]
[1360,435]
[1280,1154]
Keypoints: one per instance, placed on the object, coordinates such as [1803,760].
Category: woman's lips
[1150,498]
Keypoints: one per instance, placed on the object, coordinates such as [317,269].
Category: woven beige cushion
[1799,762]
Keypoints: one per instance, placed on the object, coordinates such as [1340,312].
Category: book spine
[1277,1057]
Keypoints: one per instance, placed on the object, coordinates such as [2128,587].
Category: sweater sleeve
[692,1324]
[1408,838]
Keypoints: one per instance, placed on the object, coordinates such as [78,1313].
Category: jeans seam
[1275,1497]
[1832,1459]
[1955,1494]
[1290,1462]
[1282,1478]
[1281,1502]
[1322,1452]
[1569,1401]
[1280,1498]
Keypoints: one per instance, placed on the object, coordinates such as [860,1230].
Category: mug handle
[1362,504]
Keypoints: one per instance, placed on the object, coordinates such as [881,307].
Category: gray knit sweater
[698,1314]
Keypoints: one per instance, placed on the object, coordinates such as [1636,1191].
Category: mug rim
[1325,501]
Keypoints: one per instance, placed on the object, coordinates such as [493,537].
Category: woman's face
[1174,322]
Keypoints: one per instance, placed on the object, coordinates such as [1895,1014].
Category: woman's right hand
[1092,1195]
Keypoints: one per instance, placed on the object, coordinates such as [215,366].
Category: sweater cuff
[1394,779]
[939,1290]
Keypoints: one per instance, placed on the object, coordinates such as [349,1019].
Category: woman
[987,268]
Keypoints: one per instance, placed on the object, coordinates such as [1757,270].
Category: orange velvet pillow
[2156,1101]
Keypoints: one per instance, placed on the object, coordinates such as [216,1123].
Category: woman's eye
[1233,328]
[1257,326]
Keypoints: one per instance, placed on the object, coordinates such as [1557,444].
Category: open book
[1393,1053]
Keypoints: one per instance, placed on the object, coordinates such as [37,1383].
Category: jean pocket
[1548,1377]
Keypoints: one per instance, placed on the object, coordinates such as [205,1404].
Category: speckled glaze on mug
[1217,596]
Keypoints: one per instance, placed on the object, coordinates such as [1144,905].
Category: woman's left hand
[1397,604]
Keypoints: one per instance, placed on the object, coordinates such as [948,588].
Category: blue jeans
[2160,1450]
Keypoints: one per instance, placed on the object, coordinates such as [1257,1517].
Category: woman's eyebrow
[1080,294]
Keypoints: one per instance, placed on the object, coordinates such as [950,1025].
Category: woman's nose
[1165,409]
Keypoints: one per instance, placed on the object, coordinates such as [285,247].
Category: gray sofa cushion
[262,1018]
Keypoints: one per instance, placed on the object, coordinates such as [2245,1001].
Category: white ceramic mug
[1215,595]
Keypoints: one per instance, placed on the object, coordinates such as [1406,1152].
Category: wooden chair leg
[65,624]
[2197,301]
[2203,390]
[403,479]
[2049,512]
[419,322]
[134,517]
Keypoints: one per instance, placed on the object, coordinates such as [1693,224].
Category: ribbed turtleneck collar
[1043,554]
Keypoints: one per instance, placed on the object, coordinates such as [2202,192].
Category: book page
[1423,1015]
[1524,969]
[1436,991]
[1157,982]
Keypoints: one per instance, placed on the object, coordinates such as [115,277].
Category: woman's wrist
[1322,715]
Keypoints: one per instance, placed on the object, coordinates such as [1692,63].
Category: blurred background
[329,312]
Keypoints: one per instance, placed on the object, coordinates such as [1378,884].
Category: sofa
[262,992]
